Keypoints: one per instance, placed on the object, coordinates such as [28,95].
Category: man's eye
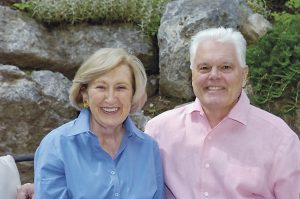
[203,69]
[226,68]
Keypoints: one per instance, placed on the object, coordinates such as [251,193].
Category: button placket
[115,181]
[206,163]
[205,194]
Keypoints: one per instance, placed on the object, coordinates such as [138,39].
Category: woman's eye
[121,87]
[100,87]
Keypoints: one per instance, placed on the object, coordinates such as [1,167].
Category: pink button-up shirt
[249,154]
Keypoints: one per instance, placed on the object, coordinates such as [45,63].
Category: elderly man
[221,146]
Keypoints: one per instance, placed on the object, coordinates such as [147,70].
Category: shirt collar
[82,125]
[131,129]
[238,113]
[195,107]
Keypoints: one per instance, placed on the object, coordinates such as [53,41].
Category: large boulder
[31,105]
[28,44]
[181,20]
[255,27]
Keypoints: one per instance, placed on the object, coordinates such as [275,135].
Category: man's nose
[214,73]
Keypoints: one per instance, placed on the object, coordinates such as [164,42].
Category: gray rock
[181,20]
[255,27]
[28,44]
[140,119]
[152,85]
[28,109]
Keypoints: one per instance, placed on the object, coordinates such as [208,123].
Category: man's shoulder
[269,120]
[176,112]
[169,119]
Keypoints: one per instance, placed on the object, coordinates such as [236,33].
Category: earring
[85,104]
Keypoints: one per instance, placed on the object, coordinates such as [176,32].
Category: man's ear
[245,75]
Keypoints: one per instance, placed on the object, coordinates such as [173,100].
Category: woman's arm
[160,194]
[49,172]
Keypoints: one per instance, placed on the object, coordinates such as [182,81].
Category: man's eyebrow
[202,63]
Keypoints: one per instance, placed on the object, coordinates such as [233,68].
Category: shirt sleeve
[150,128]
[286,169]
[160,194]
[49,174]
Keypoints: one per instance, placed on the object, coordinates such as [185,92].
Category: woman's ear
[84,93]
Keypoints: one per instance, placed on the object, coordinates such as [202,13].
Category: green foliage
[293,4]
[275,66]
[26,6]
[144,13]
[259,6]
[268,7]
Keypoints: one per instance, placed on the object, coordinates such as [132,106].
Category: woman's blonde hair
[103,61]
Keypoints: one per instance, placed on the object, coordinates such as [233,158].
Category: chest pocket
[244,180]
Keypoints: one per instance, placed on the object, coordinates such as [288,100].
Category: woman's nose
[110,95]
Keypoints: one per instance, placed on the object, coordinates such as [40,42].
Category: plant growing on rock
[144,13]
[275,67]
[259,6]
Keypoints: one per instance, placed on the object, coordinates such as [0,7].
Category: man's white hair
[220,34]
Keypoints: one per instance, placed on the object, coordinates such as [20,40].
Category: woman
[101,154]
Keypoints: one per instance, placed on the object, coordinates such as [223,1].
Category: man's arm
[286,169]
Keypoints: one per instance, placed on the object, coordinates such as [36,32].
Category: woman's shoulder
[144,137]
[58,132]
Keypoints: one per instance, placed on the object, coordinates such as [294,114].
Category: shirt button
[112,172]
[205,194]
[207,165]
[117,194]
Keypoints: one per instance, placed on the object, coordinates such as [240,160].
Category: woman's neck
[111,143]
[109,138]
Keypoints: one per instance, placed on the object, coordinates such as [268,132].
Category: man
[220,146]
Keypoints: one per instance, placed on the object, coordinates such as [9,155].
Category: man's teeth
[110,109]
[215,88]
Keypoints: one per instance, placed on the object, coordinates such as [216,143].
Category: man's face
[217,76]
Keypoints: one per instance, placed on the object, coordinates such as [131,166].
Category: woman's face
[109,98]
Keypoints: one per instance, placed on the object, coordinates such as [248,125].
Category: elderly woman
[101,154]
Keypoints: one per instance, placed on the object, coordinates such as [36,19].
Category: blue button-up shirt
[70,163]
